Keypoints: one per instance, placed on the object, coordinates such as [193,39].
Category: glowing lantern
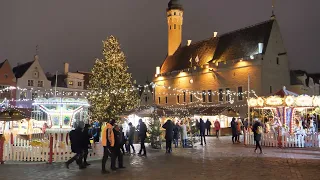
[289,100]
[274,101]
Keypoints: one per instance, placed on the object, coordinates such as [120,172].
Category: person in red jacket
[217,127]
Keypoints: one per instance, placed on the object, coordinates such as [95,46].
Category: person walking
[239,130]
[176,130]
[76,146]
[118,145]
[86,144]
[184,134]
[208,127]
[202,127]
[217,127]
[234,130]
[123,140]
[131,138]
[257,131]
[142,136]
[168,126]
[107,140]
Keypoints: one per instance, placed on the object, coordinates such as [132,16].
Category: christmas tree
[155,131]
[111,90]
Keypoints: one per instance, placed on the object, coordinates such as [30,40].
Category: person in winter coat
[118,145]
[142,135]
[239,129]
[123,140]
[234,129]
[202,127]
[168,126]
[107,141]
[76,146]
[217,127]
[86,144]
[130,136]
[184,134]
[257,130]
[176,130]
[197,127]
[208,127]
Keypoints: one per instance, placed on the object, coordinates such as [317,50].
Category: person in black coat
[117,146]
[168,126]
[86,144]
[234,129]
[208,126]
[176,130]
[257,134]
[202,127]
[76,141]
[142,135]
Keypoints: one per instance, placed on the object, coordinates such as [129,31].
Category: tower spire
[37,49]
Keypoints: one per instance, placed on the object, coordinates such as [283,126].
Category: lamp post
[55,85]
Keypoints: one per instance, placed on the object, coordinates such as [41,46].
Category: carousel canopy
[284,92]
[12,115]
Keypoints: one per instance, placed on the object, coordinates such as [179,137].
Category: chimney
[189,42]
[66,68]
[215,34]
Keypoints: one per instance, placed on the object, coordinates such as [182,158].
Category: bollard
[50,150]
[1,150]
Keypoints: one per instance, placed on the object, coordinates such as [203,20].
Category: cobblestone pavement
[219,160]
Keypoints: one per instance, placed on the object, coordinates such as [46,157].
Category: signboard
[304,101]
[274,101]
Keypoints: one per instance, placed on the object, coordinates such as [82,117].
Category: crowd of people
[113,140]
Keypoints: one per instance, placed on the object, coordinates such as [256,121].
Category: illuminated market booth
[59,113]
[288,118]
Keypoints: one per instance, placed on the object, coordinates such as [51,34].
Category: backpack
[259,130]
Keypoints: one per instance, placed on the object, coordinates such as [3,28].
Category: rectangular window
[228,94]
[204,96]
[79,83]
[240,94]
[178,99]
[191,98]
[270,89]
[40,83]
[220,95]
[159,100]
[70,83]
[30,82]
[209,95]
[146,99]
[184,97]
[23,95]
[278,60]
[34,95]
[175,26]
[166,100]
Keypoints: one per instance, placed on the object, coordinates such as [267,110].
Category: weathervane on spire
[273,7]
[37,49]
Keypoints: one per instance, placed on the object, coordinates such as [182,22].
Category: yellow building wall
[175,21]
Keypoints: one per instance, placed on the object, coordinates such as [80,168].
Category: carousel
[59,113]
[287,114]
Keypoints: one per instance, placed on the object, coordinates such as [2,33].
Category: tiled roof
[1,64]
[234,45]
[21,69]
[181,58]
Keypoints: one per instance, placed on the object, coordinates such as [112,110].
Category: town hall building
[221,70]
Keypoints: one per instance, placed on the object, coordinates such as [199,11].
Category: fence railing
[286,140]
[52,148]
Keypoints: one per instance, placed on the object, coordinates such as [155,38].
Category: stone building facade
[215,71]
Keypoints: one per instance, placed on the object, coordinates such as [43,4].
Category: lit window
[227,94]
[240,93]
[220,95]
[210,95]
[204,96]
[30,82]
[71,83]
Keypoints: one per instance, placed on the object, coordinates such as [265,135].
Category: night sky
[72,31]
